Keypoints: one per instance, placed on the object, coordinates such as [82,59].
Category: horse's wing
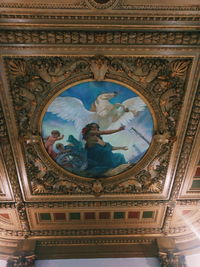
[72,109]
[134,104]
[123,120]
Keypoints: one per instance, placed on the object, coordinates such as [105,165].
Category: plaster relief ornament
[99,68]
[101,4]
[97,129]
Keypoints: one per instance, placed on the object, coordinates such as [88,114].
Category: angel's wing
[72,109]
[134,105]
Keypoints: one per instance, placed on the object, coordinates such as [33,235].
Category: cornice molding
[80,21]
[88,4]
[43,5]
[103,204]
[75,38]
[70,241]
[94,232]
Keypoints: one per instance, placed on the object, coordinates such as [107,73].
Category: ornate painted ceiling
[132,68]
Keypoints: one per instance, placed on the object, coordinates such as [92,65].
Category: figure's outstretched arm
[119,148]
[60,138]
[108,131]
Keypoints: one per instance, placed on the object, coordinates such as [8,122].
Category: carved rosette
[101,4]
[33,83]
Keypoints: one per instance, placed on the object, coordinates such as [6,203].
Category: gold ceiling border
[97,3]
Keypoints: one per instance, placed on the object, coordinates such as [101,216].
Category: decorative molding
[170,259]
[188,202]
[97,4]
[11,169]
[92,232]
[166,49]
[21,261]
[86,232]
[124,20]
[114,38]
[103,204]
[77,5]
[187,144]
[3,128]
[103,240]
[158,7]
[13,178]
[35,80]
[101,4]
[167,229]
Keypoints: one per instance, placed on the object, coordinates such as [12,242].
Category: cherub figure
[50,140]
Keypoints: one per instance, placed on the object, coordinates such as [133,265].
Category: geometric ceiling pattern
[99,130]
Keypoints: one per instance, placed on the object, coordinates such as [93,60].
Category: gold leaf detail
[17,67]
[179,68]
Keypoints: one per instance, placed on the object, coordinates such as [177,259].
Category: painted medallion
[97,129]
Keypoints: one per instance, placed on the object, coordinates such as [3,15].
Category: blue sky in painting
[89,91]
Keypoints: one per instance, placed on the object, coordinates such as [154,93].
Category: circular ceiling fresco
[97,129]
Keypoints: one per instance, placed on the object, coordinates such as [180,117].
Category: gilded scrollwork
[3,128]
[44,180]
[163,79]
[21,261]
[170,259]
[188,143]
[31,79]
[148,180]
[35,80]
[40,177]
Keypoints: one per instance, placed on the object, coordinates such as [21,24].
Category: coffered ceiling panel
[37,87]
[99,128]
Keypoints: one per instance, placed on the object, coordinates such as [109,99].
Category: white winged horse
[103,112]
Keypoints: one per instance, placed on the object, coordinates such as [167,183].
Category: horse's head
[102,104]
[107,96]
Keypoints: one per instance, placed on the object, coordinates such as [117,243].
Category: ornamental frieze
[122,19]
[91,232]
[99,4]
[113,38]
